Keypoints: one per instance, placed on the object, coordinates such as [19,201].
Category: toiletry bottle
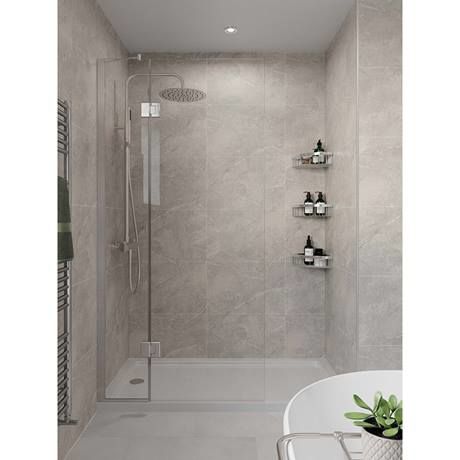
[318,257]
[318,154]
[320,205]
[308,205]
[308,252]
[305,158]
[315,157]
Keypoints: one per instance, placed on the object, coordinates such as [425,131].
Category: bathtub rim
[286,428]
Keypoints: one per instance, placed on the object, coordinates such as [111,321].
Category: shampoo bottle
[320,205]
[308,252]
[318,154]
[308,205]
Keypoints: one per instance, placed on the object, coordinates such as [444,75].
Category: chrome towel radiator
[64,271]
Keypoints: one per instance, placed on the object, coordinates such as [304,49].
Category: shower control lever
[124,246]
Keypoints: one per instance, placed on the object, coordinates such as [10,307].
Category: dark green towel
[65,246]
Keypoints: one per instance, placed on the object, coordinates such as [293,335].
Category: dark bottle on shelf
[308,205]
[320,205]
[318,153]
[308,252]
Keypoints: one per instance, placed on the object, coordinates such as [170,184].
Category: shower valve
[124,246]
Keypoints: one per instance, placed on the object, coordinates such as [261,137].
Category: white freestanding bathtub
[319,408]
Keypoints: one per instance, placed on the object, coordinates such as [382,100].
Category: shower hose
[134,285]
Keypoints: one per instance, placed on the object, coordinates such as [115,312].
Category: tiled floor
[192,430]
[135,432]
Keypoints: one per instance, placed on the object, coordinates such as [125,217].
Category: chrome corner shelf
[298,211]
[320,262]
[305,163]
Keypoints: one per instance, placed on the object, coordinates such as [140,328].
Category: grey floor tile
[99,448]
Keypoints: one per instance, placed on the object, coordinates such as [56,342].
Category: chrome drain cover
[136,381]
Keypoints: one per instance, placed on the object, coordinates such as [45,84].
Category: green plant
[385,419]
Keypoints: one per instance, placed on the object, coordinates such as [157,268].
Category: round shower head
[182,94]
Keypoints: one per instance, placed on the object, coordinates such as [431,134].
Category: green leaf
[381,421]
[398,415]
[391,432]
[389,421]
[393,402]
[377,399]
[365,424]
[385,407]
[359,402]
[356,415]
[400,405]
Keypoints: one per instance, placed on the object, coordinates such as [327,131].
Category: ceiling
[198,25]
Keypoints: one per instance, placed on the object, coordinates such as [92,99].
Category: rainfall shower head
[182,94]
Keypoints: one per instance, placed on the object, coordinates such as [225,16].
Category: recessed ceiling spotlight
[231,30]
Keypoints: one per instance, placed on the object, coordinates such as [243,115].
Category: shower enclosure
[129,137]
[154,323]
[198,299]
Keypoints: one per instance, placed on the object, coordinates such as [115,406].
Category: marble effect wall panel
[341,232]
[380,196]
[363,294]
[223,231]
[84,35]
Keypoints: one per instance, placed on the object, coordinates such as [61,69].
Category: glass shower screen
[125,142]
[201,294]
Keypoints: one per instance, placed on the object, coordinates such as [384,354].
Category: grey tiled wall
[84,35]
[364,290]
[220,238]
[380,191]
[115,281]
[341,233]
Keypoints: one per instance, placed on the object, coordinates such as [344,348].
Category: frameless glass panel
[122,270]
[207,260]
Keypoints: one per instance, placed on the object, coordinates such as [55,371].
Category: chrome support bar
[282,446]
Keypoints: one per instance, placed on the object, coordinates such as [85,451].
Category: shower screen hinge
[150,349]
[151,110]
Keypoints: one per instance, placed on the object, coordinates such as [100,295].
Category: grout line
[78,205]
[82,432]
[357,179]
[206,209]
[86,280]
[75,363]
[265,226]
[378,67]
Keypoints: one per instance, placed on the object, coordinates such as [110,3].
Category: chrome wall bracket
[151,349]
[151,110]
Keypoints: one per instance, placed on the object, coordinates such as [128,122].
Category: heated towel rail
[64,272]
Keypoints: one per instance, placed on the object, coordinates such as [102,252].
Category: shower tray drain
[136,381]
